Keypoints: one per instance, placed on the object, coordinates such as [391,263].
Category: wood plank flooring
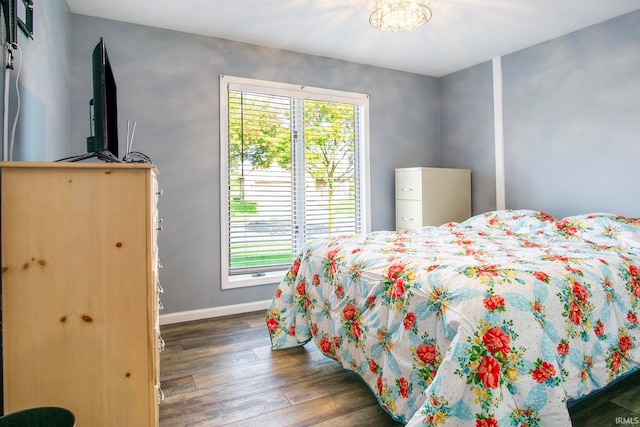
[222,372]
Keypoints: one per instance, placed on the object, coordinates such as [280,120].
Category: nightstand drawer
[408,214]
[409,184]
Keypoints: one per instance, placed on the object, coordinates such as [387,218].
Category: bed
[496,321]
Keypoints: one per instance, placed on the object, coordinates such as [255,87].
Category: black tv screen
[105,105]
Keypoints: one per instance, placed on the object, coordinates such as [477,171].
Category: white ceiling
[461,33]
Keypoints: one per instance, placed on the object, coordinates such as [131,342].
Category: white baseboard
[206,313]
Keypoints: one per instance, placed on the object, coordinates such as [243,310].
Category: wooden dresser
[431,196]
[80,292]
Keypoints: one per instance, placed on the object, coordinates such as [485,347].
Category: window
[293,168]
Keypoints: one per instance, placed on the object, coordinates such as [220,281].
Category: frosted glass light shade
[399,15]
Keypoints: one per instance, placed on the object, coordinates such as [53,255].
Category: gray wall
[467,131]
[42,131]
[572,121]
[169,83]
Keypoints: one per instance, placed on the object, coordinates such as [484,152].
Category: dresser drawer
[409,184]
[408,214]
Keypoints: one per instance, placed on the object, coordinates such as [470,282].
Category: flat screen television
[104,141]
[103,111]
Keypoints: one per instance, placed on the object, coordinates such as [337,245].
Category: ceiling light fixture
[399,15]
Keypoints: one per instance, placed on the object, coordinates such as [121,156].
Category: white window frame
[293,91]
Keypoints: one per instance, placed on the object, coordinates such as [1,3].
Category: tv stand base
[96,154]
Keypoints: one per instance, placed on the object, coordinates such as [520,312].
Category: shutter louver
[330,202]
[260,220]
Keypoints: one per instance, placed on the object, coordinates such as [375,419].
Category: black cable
[136,157]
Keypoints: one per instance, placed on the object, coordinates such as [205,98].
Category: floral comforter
[496,321]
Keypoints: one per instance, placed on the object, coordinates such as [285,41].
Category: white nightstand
[431,196]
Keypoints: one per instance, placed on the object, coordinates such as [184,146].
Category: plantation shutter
[293,175]
[329,160]
[260,205]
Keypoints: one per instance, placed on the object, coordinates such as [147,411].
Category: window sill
[247,280]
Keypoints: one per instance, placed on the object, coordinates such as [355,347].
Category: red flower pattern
[394,270]
[487,271]
[493,302]
[325,345]
[427,353]
[625,344]
[272,324]
[295,267]
[497,341]
[544,372]
[331,256]
[487,422]
[563,348]
[373,366]
[404,387]
[409,321]
[356,331]
[301,288]
[489,372]
[541,275]
[575,312]
[397,289]
[616,361]
[599,329]
[580,292]
[349,312]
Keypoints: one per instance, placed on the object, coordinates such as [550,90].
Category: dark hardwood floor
[222,372]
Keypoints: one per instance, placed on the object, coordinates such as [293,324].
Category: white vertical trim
[498,121]
[365,166]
